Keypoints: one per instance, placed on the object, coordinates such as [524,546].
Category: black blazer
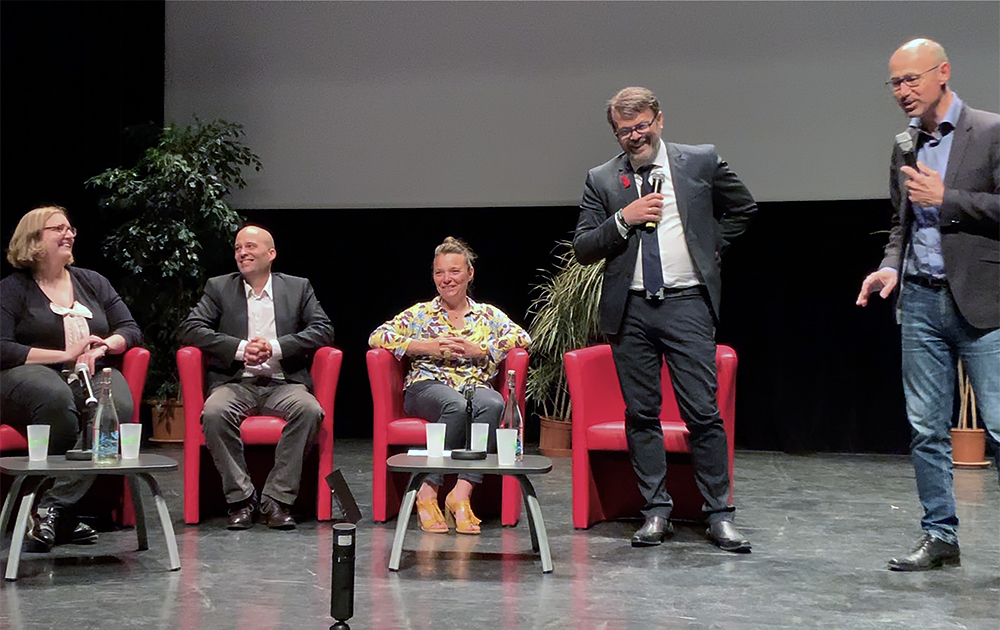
[970,217]
[218,323]
[714,205]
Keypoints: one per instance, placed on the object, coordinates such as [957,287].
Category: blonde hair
[452,245]
[25,249]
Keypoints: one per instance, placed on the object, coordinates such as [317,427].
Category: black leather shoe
[274,514]
[82,534]
[929,553]
[725,536]
[654,531]
[42,535]
[241,514]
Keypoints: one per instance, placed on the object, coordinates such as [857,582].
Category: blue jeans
[935,336]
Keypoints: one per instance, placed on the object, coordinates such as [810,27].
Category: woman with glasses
[56,316]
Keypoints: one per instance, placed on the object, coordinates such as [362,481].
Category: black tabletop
[58,465]
[531,464]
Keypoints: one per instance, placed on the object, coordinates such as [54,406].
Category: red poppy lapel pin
[625,180]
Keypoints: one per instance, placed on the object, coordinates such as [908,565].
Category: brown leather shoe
[274,514]
[241,514]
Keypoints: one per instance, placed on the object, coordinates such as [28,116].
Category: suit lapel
[282,306]
[963,131]
[682,188]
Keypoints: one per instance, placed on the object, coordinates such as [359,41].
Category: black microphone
[656,178]
[469,391]
[904,141]
[342,582]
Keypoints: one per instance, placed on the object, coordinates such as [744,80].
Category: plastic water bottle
[105,449]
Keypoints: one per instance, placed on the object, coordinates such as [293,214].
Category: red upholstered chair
[604,484]
[134,364]
[394,431]
[255,430]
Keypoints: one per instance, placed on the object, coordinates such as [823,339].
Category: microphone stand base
[79,455]
[467,454]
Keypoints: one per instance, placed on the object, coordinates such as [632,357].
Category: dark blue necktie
[652,268]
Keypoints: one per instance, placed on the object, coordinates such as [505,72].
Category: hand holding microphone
[656,179]
[647,210]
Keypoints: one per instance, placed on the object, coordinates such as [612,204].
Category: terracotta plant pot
[968,448]
[168,420]
[556,438]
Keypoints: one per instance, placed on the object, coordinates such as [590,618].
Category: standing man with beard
[660,299]
[945,245]
[259,331]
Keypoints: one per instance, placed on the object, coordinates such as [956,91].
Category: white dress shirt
[260,323]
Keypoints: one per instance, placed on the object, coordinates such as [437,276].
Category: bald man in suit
[258,330]
[943,263]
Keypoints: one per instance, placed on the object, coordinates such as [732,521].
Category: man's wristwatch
[621,221]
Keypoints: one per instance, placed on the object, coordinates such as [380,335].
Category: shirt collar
[438,304]
[950,120]
[267,289]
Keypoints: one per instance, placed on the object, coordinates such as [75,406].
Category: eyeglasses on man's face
[910,80]
[641,128]
[62,229]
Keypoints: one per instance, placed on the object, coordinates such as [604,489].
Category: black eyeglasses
[911,80]
[625,132]
[62,229]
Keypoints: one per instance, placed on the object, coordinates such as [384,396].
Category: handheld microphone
[656,178]
[469,392]
[904,141]
[81,374]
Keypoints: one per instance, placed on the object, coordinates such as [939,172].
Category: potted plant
[565,317]
[176,225]
[968,441]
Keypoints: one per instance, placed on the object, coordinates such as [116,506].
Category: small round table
[30,475]
[419,466]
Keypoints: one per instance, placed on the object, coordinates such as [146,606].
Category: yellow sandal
[467,525]
[431,519]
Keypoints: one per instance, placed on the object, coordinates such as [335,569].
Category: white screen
[471,104]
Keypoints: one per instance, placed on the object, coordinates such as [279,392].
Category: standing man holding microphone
[660,298]
[945,244]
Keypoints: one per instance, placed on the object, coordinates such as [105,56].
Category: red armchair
[134,365]
[255,430]
[393,431]
[604,484]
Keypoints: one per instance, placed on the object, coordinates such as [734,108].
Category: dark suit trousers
[679,329]
[230,404]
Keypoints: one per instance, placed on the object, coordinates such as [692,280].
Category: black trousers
[680,330]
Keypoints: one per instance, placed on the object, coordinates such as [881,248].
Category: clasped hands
[88,350]
[257,352]
[456,347]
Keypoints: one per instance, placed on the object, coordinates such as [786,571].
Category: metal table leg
[20,527]
[168,526]
[536,523]
[140,513]
[403,519]
[8,504]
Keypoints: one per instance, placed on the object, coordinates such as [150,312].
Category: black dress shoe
[274,514]
[82,534]
[241,514]
[929,553]
[42,535]
[654,531]
[725,536]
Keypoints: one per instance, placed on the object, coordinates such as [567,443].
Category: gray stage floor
[823,527]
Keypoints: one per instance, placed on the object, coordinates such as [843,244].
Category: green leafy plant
[175,226]
[565,317]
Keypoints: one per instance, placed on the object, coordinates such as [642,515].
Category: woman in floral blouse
[452,342]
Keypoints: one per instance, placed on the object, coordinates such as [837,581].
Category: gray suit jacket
[218,323]
[970,217]
[714,205]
